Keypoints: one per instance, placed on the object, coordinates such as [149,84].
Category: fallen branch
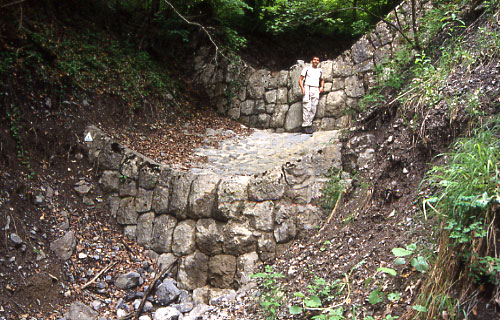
[109,266]
[148,292]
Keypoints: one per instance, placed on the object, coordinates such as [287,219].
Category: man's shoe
[307,130]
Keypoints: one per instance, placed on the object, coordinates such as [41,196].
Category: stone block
[193,271]
[149,175]
[247,107]
[144,231]
[126,213]
[238,239]
[163,229]
[261,215]
[209,236]
[143,200]
[184,241]
[267,186]
[293,119]
[221,270]
[201,199]
[279,115]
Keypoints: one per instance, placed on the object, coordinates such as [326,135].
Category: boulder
[335,103]
[247,265]
[148,175]
[362,50]
[266,246]
[270,96]
[294,92]
[279,115]
[128,280]
[231,194]
[354,87]
[80,311]
[127,187]
[166,313]
[327,67]
[161,196]
[247,107]
[111,156]
[167,292]
[143,200]
[293,119]
[131,164]
[64,246]
[110,181]
[282,96]
[165,260]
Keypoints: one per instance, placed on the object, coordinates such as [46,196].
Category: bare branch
[392,25]
[159,275]
[398,29]
[203,28]
[12,3]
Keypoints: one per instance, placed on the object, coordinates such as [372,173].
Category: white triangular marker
[88,138]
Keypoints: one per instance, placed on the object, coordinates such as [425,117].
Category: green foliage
[442,302]
[400,252]
[326,17]
[332,314]
[272,296]
[389,271]
[320,292]
[451,22]
[333,190]
[466,187]
[394,296]
[376,296]
[16,130]
[468,183]
[419,308]
[486,267]
[418,262]
[75,60]
[6,61]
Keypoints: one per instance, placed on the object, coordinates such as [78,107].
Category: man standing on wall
[311,82]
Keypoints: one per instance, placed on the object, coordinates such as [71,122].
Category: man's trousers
[309,105]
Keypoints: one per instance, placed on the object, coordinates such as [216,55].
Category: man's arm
[322,85]
[301,84]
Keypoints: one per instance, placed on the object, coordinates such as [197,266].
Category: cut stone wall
[260,98]
[222,227]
